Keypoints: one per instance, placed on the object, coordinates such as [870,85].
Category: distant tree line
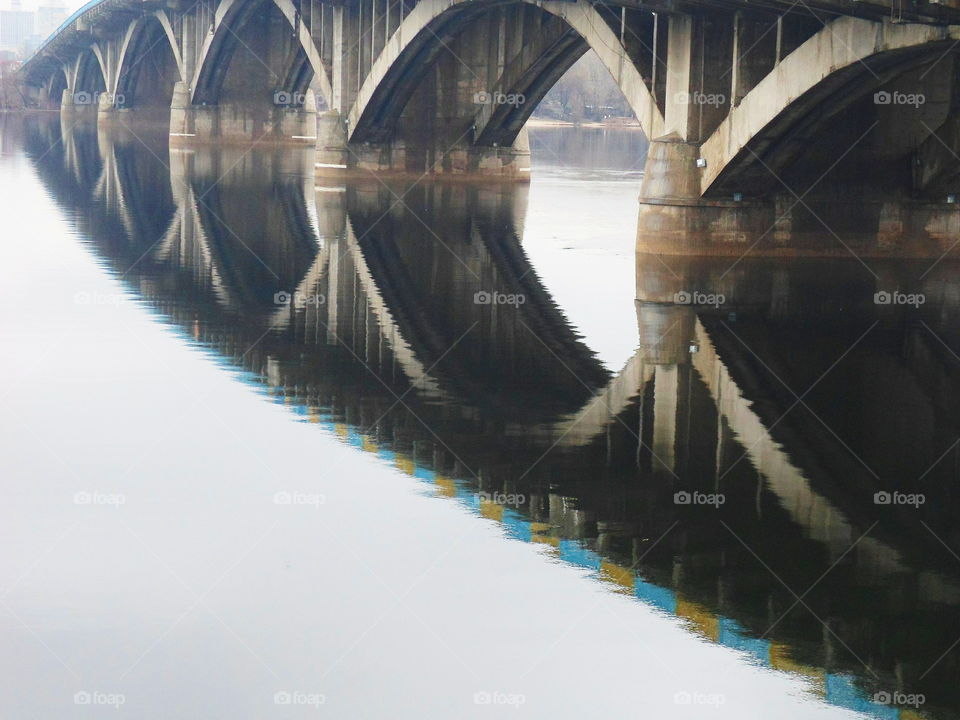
[585,93]
[11,97]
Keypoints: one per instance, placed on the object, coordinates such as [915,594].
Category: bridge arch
[309,66]
[56,85]
[148,67]
[219,48]
[841,65]
[425,34]
[89,78]
[294,73]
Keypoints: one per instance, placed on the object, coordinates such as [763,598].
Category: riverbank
[628,123]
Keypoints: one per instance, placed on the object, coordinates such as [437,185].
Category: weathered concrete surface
[671,175]
[420,28]
[236,123]
[894,227]
[337,158]
[845,43]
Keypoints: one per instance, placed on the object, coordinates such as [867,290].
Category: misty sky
[71,5]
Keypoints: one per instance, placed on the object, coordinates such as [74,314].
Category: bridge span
[817,128]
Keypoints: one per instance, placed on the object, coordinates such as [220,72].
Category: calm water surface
[280,449]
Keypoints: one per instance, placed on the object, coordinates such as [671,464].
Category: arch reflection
[360,313]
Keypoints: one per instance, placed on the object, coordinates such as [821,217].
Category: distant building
[21,31]
[17,28]
[49,18]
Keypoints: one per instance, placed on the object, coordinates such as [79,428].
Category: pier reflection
[727,474]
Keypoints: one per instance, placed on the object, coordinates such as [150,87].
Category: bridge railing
[63,26]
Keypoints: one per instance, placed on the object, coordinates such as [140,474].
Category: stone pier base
[74,106]
[893,227]
[235,123]
[337,157]
[675,220]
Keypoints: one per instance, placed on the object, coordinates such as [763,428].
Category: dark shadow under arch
[90,78]
[149,70]
[524,74]
[233,33]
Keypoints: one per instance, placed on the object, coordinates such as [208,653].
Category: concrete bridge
[761,115]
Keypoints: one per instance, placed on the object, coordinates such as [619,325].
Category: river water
[281,447]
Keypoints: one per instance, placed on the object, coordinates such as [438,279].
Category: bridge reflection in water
[797,400]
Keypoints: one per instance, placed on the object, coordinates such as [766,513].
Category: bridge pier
[43,98]
[75,108]
[887,225]
[107,108]
[332,152]
[337,157]
[675,219]
[235,122]
[701,86]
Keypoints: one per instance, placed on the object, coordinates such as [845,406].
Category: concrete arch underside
[426,34]
[147,68]
[846,61]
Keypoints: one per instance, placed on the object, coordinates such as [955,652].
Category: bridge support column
[182,113]
[398,157]
[674,217]
[699,53]
[67,107]
[671,211]
[332,153]
[236,124]
[188,43]
[346,28]
[106,108]
[298,123]
[74,108]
